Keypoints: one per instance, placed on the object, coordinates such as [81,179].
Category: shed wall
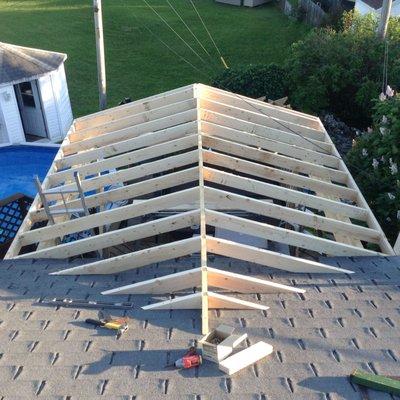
[14,132]
[56,104]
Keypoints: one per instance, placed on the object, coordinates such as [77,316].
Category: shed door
[30,107]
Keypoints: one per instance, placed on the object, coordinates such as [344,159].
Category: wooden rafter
[202,157]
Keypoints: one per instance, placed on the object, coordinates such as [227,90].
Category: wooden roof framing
[202,155]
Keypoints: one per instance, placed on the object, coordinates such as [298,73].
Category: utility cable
[210,36]
[176,33]
[187,27]
[170,48]
[242,98]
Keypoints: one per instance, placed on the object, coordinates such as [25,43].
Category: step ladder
[63,192]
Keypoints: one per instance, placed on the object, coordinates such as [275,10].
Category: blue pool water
[19,164]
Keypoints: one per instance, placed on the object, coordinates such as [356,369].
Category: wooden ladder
[59,211]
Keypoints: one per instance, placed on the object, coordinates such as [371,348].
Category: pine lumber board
[269,258]
[228,145]
[245,358]
[136,259]
[266,127]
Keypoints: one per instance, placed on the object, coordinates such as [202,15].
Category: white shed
[375,6]
[34,99]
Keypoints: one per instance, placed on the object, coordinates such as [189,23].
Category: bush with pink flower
[375,164]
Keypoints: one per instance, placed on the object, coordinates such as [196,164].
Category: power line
[176,33]
[210,36]
[188,28]
[235,94]
[170,48]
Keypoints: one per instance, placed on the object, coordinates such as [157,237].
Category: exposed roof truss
[201,157]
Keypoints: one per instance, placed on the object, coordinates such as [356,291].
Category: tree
[340,71]
[375,164]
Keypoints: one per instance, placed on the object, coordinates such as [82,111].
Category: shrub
[375,164]
[341,71]
[254,81]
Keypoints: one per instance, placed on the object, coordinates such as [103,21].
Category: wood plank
[245,358]
[267,127]
[371,219]
[148,103]
[246,284]
[193,302]
[136,259]
[268,258]
[109,216]
[203,250]
[268,144]
[281,193]
[221,301]
[123,160]
[293,119]
[136,172]
[162,285]
[230,201]
[132,131]
[280,176]
[120,236]
[282,235]
[127,192]
[340,237]
[188,302]
[266,157]
[396,246]
[120,147]
[133,119]
[192,278]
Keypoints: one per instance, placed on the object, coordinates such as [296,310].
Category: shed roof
[19,64]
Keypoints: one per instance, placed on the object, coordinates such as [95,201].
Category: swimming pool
[19,164]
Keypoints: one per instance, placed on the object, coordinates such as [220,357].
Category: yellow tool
[105,321]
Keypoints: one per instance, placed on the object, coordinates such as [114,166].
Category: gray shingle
[342,322]
[18,64]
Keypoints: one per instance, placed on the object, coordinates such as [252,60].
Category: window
[27,94]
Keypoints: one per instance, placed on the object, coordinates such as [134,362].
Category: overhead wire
[187,27]
[176,33]
[242,98]
[209,35]
[192,33]
[170,48]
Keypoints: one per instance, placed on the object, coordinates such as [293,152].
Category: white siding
[56,104]
[60,88]
[364,8]
[49,108]
[396,9]
[11,117]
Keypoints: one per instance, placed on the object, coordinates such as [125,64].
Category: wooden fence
[306,11]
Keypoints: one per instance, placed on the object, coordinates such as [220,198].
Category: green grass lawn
[139,65]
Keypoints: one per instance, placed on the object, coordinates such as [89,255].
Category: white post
[385,15]
[101,64]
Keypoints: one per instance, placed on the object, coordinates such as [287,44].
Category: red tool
[189,360]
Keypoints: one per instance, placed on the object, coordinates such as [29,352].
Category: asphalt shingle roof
[19,64]
[342,322]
